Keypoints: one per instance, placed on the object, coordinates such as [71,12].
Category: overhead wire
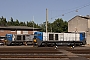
[74,10]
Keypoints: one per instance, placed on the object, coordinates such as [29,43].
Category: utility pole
[46,18]
[46,22]
[33,24]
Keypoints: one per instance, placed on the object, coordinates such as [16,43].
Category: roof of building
[18,28]
[86,17]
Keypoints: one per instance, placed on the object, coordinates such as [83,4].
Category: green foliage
[11,22]
[59,25]
[32,24]
[3,21]
[16,23]
[43,27]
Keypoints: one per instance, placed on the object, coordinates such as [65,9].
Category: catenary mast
[46,22]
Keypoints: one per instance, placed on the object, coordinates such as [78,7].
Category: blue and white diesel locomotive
[52,39]
[46,39]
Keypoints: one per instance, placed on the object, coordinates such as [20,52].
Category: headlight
[5,40]
[35,40]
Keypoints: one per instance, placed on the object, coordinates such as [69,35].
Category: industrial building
[17,30]
[80,24]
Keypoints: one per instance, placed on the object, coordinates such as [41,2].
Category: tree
[11,22]
[43,27]
[59,25]
[30,24]
[65,26]
[16,23]
[3,21]
[22,24]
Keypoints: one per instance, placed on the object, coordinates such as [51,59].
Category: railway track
[42,52]
[31,53]
[81,52]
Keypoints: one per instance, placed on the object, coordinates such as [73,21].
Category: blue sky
[24,10]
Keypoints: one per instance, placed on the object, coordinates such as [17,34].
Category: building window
[13,31]
[1,30]
[18,32]
[25,32]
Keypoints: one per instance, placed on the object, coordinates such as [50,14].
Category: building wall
[4,32]
[30,32]
[78,24]
[88,38]
[88,33]
[88,23]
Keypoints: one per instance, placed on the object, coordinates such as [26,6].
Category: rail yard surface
[44,53]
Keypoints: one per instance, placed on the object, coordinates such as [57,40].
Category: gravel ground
[62,49]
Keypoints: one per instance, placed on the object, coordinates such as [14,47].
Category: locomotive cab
[37,40]
[42,38]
